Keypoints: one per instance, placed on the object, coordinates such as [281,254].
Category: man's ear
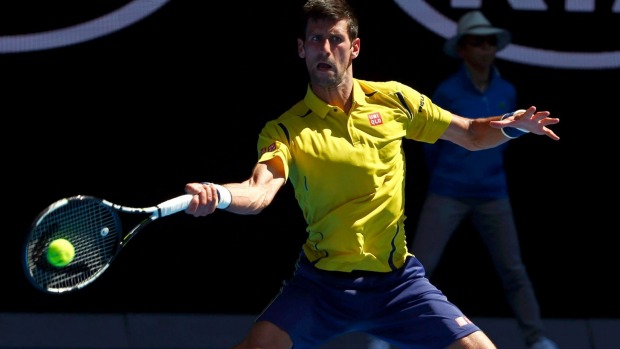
[355,48]
[300,49]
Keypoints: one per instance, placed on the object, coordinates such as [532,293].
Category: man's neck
[340,96]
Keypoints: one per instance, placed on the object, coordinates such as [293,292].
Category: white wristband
[223,194]
[512,132]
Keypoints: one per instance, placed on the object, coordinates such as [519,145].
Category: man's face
[479,50]
[328,51]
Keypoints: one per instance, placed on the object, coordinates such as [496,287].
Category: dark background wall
[181,95]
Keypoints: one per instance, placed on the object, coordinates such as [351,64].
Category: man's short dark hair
[332,10]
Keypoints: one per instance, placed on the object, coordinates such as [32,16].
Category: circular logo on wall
[579,25]
[118,19]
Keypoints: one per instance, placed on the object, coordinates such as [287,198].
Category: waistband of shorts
[354,274]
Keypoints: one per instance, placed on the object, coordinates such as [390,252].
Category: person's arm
[484,133]
[249,197]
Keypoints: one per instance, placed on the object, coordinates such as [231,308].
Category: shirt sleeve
[429,121]
[272,142]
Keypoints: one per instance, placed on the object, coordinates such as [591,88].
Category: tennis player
[340,147]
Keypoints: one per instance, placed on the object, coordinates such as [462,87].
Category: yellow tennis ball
[60,252]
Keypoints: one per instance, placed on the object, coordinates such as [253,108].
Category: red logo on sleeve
[271,147]
[375,119]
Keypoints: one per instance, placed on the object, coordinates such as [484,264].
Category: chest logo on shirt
[375,119]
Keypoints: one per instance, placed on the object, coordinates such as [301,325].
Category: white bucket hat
[475,23]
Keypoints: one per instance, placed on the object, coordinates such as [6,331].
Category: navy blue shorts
[401,307]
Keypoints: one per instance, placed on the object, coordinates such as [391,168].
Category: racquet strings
[93,228]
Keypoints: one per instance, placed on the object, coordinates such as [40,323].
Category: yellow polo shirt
[348,171]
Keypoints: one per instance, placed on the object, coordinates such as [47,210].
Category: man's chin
[325,80]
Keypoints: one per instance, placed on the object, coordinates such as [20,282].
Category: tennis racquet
[94,228]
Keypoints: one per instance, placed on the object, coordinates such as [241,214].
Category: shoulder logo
[270,148]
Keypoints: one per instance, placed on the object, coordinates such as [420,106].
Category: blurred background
[181,93]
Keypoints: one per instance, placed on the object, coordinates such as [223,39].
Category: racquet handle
[173,205]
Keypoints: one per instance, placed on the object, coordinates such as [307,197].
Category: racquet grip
[174,205]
